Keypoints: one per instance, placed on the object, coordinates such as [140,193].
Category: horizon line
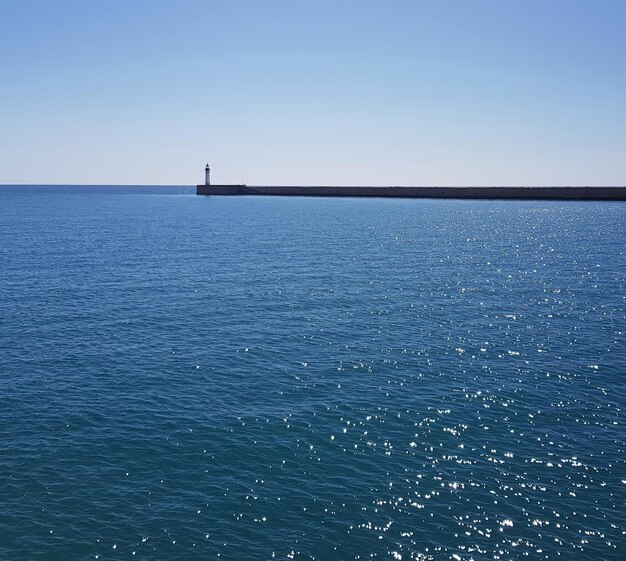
[294,185]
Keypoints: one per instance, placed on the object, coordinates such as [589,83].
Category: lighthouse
[207,175]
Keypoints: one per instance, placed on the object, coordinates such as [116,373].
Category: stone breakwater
[528,193]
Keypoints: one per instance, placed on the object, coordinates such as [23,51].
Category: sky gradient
[341,92]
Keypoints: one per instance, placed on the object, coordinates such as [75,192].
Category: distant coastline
[516,193]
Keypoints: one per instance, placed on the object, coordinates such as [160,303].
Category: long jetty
[520,193]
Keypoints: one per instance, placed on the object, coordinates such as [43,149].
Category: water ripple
[188,378]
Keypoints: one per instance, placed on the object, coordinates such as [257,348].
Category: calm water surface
[188,377]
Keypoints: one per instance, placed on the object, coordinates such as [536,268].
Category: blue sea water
[187,377]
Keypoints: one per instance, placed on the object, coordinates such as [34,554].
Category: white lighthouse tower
[207,175]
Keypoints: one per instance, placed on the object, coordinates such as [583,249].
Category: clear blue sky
[413,92]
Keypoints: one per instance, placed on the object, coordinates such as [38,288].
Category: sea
[188,378]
